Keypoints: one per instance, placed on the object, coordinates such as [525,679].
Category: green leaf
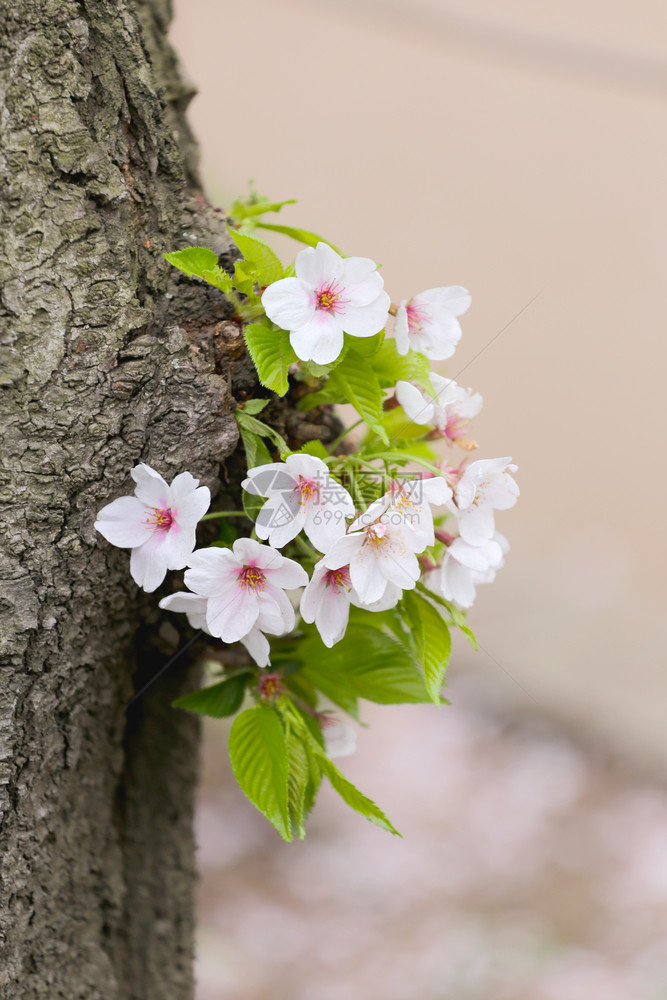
[256,452]
[251,207]
[367,347]
[315,448]
[263,430]
[198,262]
[390,366]
[258,753]
[300,235]
[314,778]
[218,700]
[254,406]
[353,797]
[272,353]
[297,781]
[193,261]
[331,392]
[265,264]
[359,386]
[433,639]
[219,279]
[366,663]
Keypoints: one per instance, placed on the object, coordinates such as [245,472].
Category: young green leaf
[258,753]
[359,386]
[300,235]
[254,406]
[193,261]
[433,639]
[297,781]
[250,208]
[263,430]
[390,366]
[272,353]
[353,797]
[315,448]
[266,265]
[366,663]
[256,452]
[198,262]
[314,779]
[218,700]
[367,347]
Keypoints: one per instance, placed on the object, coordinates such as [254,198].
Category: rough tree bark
[101,366]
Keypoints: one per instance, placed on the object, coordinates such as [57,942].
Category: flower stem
[334,444]
[225,513]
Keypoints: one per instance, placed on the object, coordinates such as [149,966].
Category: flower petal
[332,616]
[368,578]
[148,565]
[191,508]
[402,329]
[193,606]
[151,487]
[179,544]
[123,522]
[288,303]
[452,298]
[313,593]
[315,266]
[288,575]
[320,339]
[232,615]
[343,551]
[258,646]
[366,321]
[418,408]
[212,571]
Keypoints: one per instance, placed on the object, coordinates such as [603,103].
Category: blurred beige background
[519,150]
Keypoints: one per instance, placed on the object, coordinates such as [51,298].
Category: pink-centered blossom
[427,323]
[245,587]
[157,523]
[409,502]
[327,598]
[329,296]
[383,553]
[301,495]
[195,608]
[449,411]
[465,566]
[484,486]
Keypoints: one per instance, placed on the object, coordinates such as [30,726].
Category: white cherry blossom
[157,523]
[485,486]
[301,495]
[329,295]
[340,737]
[327,598]
[427,323]
[195,608]
[450,411]
[409,501]
[382,553]
[245,587]
[465,566]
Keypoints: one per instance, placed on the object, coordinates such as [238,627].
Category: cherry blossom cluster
[343,569]
[366,558]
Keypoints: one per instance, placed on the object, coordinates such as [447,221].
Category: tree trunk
[101,366]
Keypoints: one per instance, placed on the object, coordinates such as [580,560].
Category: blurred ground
[532,868]
[518,149]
